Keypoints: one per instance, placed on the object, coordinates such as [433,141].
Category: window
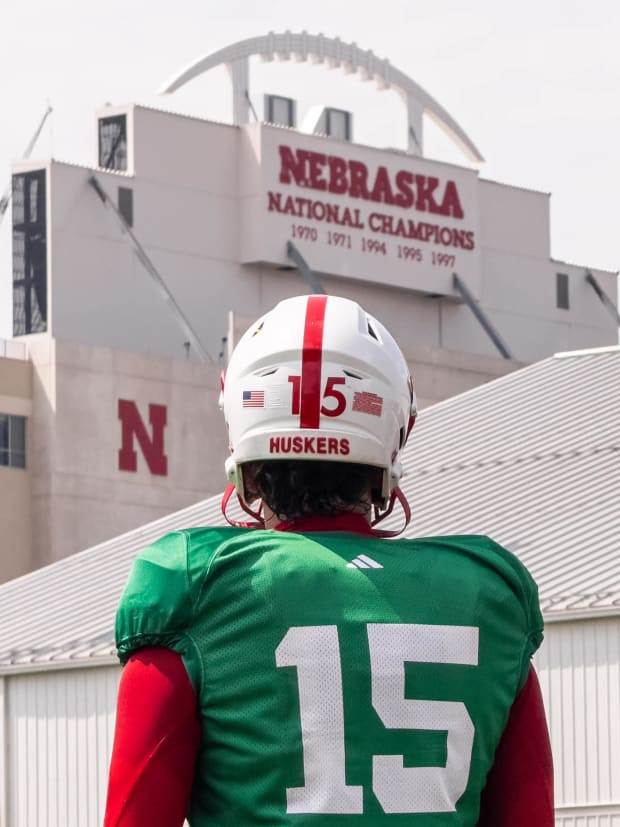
[561,291]
[113,142]
[338,124]
[13,441]
[125,204]
[29,253]
[279,110]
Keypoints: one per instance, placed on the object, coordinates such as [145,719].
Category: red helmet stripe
[311,362]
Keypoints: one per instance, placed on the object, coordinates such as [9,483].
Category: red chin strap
[397,494]
[259,522]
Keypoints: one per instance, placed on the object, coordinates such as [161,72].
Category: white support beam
[415,138]
[239,71]
[334,53]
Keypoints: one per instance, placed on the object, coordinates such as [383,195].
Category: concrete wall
[80,496]
[15,483]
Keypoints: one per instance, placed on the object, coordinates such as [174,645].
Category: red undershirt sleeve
[155,743]
[519,788]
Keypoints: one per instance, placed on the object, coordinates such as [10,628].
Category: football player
[312,672]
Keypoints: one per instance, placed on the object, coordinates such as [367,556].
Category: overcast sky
[535,84]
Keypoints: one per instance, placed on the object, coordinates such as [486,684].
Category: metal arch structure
[334,53]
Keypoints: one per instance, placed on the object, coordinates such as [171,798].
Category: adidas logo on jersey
[364,562]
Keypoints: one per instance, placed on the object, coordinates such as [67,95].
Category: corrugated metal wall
[579,669]
[60,729]
[585,820]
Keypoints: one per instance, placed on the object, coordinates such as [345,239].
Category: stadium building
[133,277]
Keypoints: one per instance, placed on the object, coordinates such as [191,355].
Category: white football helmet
[318,378]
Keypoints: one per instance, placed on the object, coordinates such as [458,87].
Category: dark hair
[296,488]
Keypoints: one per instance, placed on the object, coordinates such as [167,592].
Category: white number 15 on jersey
[315,652]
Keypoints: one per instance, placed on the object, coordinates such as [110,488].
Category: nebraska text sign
[359,212]
[152,446]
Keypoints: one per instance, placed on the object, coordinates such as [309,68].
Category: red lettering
[426,231]
[331,392]
[404,184]
[388,224]
[458,239]
[292,164]
[451,204]
[296,393]
[359,176]
[300,209]
[445,236]
[332,215]
[376,222]
[425,187]
[337,175]
[358,221]
[317,162]
[275,199]
[289,206]
[309,445]
[382,191]
[414,232]
[401,228]
[317,210]
[341,176]
[152,446]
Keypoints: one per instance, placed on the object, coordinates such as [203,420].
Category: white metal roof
[532,459]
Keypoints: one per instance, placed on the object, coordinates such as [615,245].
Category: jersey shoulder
[486,552]
[157,607]
[498,569]
[487,558]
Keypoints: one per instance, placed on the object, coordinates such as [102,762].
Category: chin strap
[397,494]
[259,522]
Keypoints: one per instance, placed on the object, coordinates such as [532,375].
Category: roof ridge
[591,351]
[517,459]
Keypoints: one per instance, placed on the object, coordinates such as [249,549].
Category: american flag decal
[253,399]
[368,403]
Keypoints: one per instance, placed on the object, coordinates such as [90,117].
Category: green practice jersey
[342,679]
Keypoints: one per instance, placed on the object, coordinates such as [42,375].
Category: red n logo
[152,446]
